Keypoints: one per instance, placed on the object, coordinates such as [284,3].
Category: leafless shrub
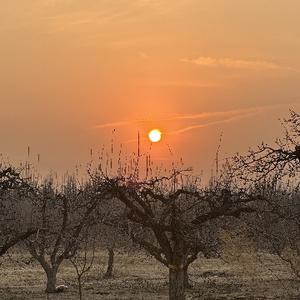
[84,259]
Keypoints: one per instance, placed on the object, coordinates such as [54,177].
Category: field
[138,276]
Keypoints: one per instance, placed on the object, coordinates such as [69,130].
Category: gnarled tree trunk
[110,264]
[176,283]
[187,284]
[51,280]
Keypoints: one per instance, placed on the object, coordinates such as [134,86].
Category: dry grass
[141,277]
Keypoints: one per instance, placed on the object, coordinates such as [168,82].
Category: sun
[155,135]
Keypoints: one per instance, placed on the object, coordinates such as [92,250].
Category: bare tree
[172,215]
[113,231]
[277,224]
[14,191]
[281,159]
[61,216]
[110,246]
[275,171]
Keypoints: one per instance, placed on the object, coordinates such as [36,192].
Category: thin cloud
[207,115]
[73,18]
[113,124]
[227,120]
[207,61]
[204,115]
[223,117]
[228,116]
[184,83]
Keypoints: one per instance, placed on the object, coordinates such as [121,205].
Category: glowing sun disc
[155,135]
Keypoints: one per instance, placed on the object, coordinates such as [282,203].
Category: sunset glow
[149,128]
[155,135]
[76,71]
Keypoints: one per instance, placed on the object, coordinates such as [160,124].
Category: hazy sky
[74,70]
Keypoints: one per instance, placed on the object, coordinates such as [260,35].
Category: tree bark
[110,264]
[187,284]
[80,288]
[51,280]
[176,284]
[16,239]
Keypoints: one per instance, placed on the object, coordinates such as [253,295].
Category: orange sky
[74,70]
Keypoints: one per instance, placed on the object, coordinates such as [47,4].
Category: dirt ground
[138,276]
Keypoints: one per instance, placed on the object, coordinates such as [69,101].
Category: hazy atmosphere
[150,150]
[72,71]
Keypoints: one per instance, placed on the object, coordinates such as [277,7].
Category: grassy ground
[140,277]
